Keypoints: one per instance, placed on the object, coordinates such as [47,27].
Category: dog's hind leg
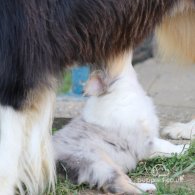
[180,130]
[98,170]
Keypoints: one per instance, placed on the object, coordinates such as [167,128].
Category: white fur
[180,130]
[127,110]
[11,136]
[26,154]
[165,148]
[125,107]
[146,187]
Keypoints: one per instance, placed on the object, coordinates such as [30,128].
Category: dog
[117,127]
[38,40]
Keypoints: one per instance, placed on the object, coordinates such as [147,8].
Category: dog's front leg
[26,154]
[165,148]
[11,141]
[37,161]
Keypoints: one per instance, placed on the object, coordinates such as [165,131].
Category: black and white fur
[115,130]
[38,40]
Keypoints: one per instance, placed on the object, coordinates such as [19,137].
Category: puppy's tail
[175,37]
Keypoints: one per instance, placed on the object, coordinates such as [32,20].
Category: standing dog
[117,128]
[38,40]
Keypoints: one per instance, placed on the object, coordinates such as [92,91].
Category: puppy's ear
[95,86]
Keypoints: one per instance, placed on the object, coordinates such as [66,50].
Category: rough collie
[38,40]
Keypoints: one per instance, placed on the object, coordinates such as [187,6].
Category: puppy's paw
[181,149]
[146,187]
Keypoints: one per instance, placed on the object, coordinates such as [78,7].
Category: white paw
[165,148]
[181,149]
[180,130]
[146,187]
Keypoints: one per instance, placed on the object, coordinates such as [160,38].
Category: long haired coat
[38,39]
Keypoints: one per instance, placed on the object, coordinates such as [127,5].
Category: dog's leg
[37,167]
[11,141]
[26,156]
[180,130]
[165,148]
[120,183]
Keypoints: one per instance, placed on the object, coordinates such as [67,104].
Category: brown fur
[176,37]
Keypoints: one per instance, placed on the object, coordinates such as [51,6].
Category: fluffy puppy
[117,128]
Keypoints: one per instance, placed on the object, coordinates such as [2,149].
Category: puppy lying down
[117,128]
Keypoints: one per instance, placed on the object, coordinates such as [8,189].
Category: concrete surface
[172,88]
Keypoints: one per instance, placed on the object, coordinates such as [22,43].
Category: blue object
[79,77]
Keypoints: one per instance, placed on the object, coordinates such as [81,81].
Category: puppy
[117,128]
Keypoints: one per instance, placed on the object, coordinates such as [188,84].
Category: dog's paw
[181,149]
[146,187]
[180,130]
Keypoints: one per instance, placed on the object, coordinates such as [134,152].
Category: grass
[64,187]
[162,171]
[162,167]
[164,188]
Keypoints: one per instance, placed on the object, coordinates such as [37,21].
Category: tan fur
[123,183]
[116,64]
[37,168]
[176,37]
